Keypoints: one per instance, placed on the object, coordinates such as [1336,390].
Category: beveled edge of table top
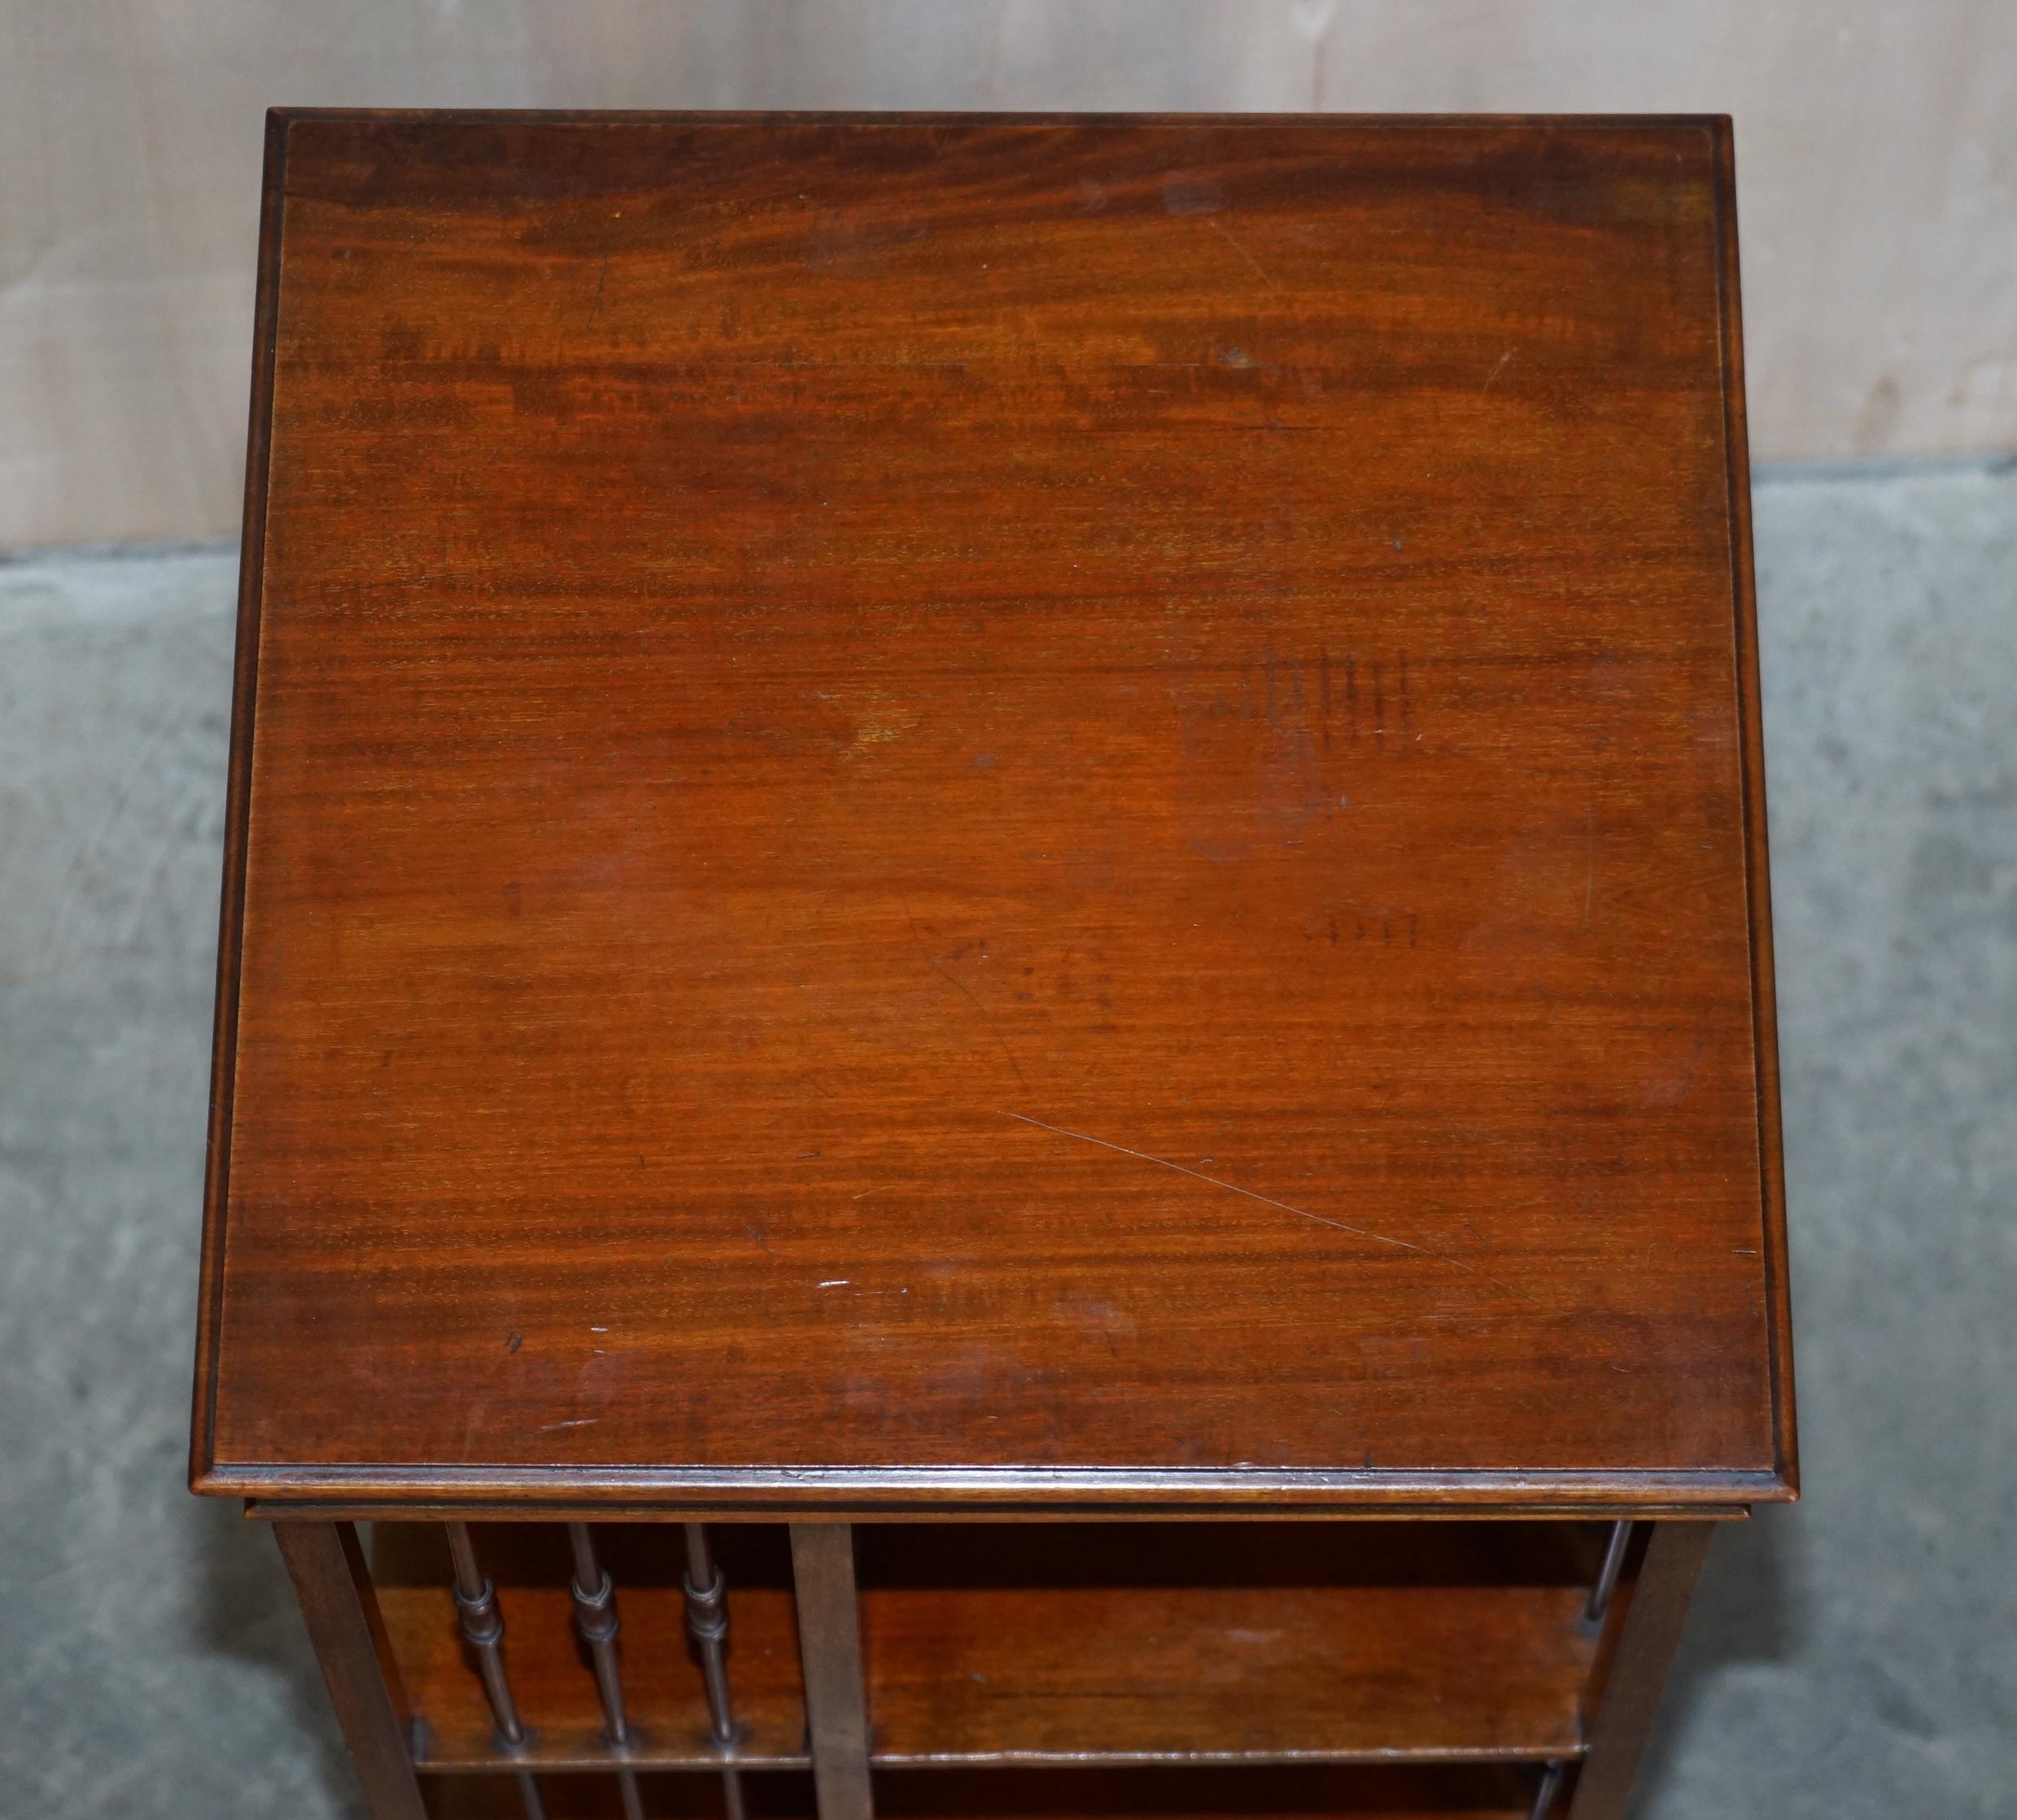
[981,1491]
[785,1488]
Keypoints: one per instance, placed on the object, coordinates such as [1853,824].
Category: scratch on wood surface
[578,1421]
[1269,1200]
[1225,233]
[960,986]
[1589,861]
[602,279]
[1492,378]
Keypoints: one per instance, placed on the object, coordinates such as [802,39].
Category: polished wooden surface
[1041,1644]
[1254,1643]
[951,804]
[1262,1674]
[128,298]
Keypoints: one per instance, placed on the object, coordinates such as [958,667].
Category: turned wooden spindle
[707,1623]
[1600,1600]
[483,1630]
[596,1617]
[1549,1791]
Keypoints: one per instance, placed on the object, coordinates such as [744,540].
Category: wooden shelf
[556,1689]
[1198,1643]
[575,1795]
[1280,1792]
[1063,1644]
[1297,1792]
[1207,1674]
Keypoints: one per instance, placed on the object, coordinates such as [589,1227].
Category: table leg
[1651,1631]
[829,1641]
[333,1587]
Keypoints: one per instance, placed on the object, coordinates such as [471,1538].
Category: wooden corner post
[829,1641]
[1650,1633]
[333,1586]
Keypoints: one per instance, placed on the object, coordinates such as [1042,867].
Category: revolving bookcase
[995,1025]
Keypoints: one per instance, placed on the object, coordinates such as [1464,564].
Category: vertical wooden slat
[333,1587]
[830,1646]
[1646,1643]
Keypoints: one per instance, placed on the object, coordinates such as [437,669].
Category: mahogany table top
[996,809]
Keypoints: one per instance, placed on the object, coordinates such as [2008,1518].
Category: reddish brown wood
[1356,1792]
[1648,1637]
[668,1722]
[890,1509]
[1262,1673]
[333,1587]
[1042,1644]
[666,1702]
[1001,809]
[1778,1298]
[994,1646]
[1443,1791]
[231,913]
[1202,1642]
[946,817]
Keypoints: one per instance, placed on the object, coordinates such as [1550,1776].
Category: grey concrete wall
[1851,1657]
[1877,154]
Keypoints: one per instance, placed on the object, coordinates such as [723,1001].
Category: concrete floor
[1856,1656]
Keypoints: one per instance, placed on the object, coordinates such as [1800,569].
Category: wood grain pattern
[1040,1644]
[1256,1674]
[129,299]
[963,807]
